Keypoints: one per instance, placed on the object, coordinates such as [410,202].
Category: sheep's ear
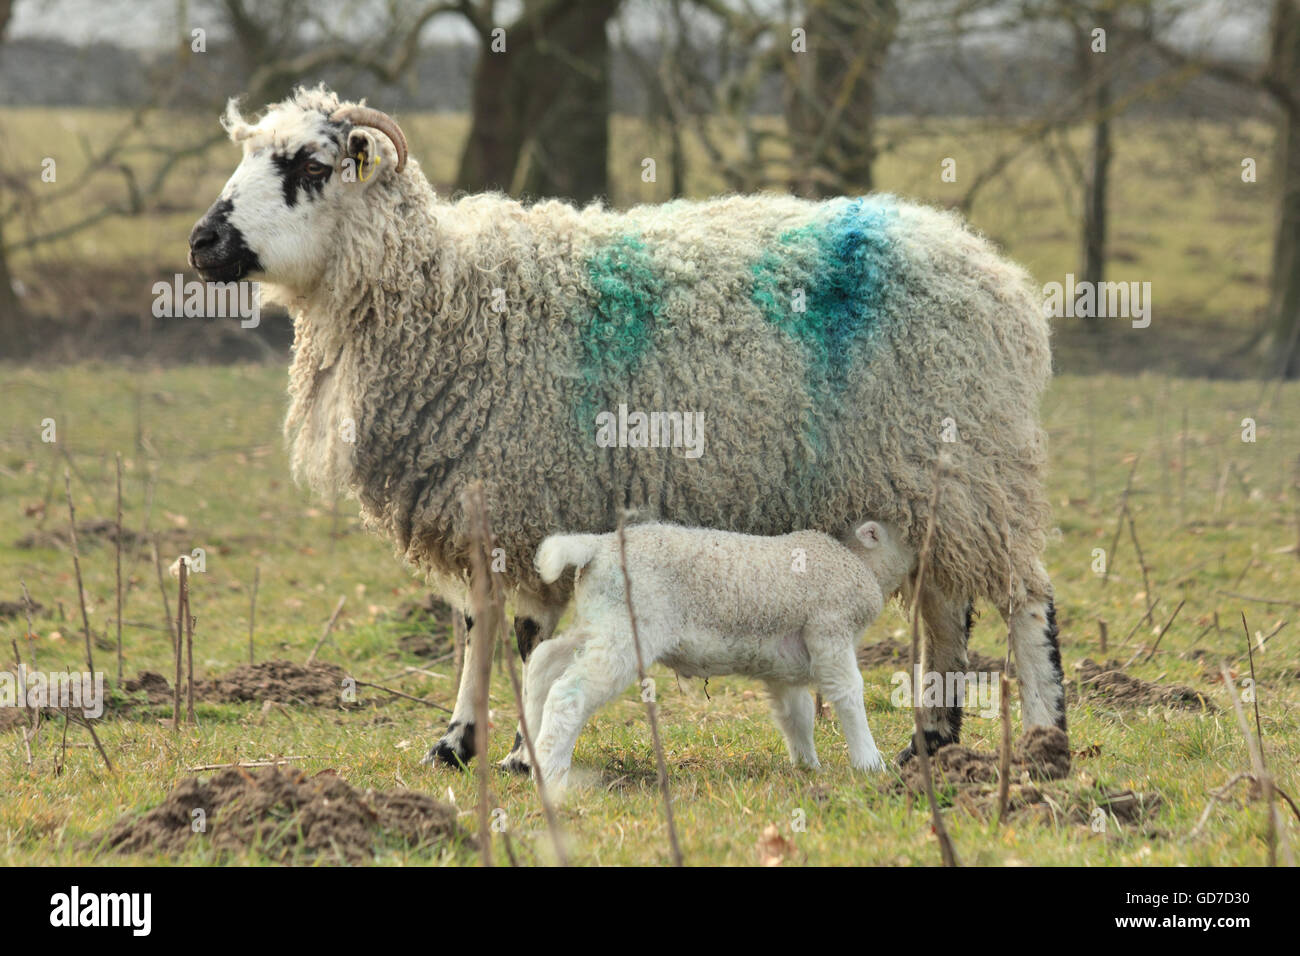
[364,158]
[870,534]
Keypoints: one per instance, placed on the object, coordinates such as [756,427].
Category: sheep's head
[306,163]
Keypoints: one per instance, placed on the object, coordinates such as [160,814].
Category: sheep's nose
[202,236]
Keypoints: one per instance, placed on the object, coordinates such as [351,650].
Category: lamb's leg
[602,669]
[531,630]
[1036,646]
[544,668]
[792,709]
[456,748]
[943,651]
[837,675]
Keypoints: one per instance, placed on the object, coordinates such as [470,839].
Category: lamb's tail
[561,551]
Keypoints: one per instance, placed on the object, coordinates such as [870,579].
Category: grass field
[1213,514]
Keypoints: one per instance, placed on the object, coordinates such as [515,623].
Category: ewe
[831,350]
[787,609]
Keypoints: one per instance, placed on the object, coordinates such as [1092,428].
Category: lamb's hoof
[517,760]
[455,749]
[871,763]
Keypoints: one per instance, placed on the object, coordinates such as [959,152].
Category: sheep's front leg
[840,681]
[456,748]
[943,652]
[792,709]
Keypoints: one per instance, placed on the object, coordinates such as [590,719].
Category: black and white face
[277,212]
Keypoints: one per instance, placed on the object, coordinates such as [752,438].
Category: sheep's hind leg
[456,748]
[840,681]
[545,667]
[943,651]
[792,709]
[601,670]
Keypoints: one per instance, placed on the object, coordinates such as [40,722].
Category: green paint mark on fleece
[842,264]
[618,326]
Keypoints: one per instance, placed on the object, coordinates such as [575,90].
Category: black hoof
[517,760]
[933,742]
[455,749]
[516,764]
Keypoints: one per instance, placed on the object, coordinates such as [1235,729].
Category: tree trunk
[830,95]
[546,96]
[14,333]
[1284,291]
[568,152]
[1097,181]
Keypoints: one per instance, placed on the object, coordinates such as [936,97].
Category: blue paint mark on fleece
[617,326]
[842,263]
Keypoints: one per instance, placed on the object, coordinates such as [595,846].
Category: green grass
[210,437]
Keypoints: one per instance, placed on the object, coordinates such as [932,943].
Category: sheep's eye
[314,168]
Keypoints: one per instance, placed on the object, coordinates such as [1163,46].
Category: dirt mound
[430,607]
[430,620]
[287,816]
[426,645]
[1054,805]
[968,779]
[888,653]
[95,531]
[1109,681]
[154,686]
[285,682]
[884,653]
[19,609]
[1043,754]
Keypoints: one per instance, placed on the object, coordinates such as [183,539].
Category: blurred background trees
[1105,138]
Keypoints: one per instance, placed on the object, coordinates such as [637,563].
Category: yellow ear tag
[374,162]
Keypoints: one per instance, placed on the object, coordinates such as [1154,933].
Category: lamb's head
[887,553]
[308,163]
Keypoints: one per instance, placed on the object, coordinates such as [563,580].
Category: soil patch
[1043,754]
[287,816]
[1110,682]
[18,609]
[889,653]
[95,531]
[968,779]
[153,685]
[286,682]
[431,630]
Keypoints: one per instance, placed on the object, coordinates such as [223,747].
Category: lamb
[831,351]
[788,609]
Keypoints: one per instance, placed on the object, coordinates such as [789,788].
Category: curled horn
[365,116]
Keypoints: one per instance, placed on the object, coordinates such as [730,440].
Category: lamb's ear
[364,157]
[870,534]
